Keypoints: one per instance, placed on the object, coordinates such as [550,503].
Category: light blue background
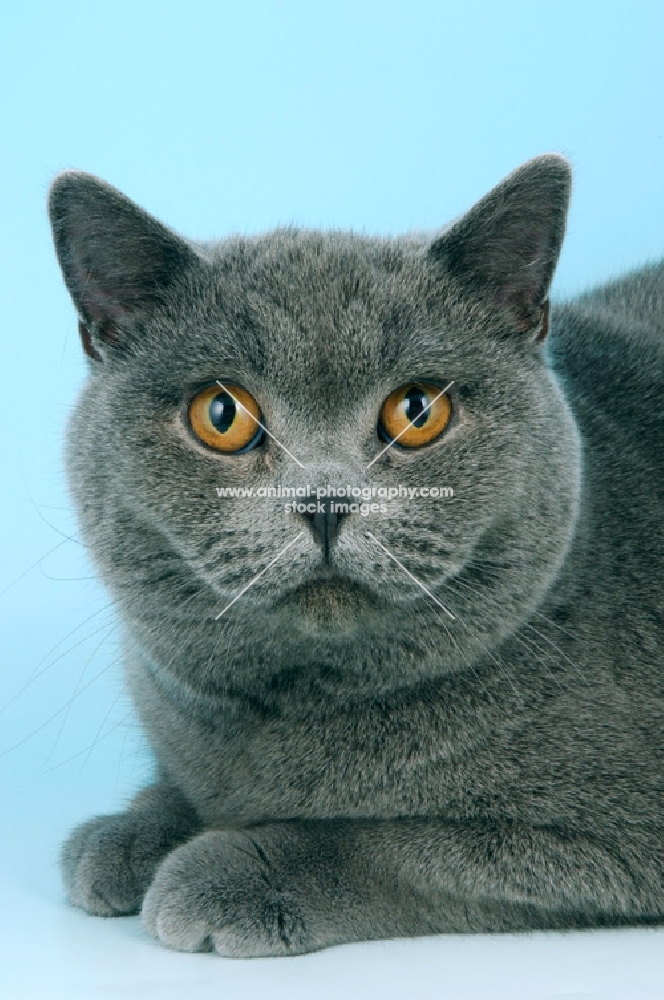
[220,117]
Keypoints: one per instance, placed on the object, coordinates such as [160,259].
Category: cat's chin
[327,605]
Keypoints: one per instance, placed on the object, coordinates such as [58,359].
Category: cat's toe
[108,862]
[216,893]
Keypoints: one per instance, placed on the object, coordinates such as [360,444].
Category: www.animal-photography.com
[333,465]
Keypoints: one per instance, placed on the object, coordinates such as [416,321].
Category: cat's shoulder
[637,298]
[607,349]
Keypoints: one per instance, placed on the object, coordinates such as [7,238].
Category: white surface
[52,951]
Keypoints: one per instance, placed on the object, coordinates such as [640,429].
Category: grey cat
[344,754]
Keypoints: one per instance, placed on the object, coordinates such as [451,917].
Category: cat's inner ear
[117,261]
[505,249]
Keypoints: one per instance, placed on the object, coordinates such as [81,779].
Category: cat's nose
[324,525]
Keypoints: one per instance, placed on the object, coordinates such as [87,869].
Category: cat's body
[338,756]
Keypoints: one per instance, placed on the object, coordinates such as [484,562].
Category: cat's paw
[108,862]
[219,893]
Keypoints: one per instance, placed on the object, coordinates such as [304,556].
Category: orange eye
[225,420]
[408,405]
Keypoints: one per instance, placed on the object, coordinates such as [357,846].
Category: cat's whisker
[36,564]
[112,628]
[59,711]
[227,631]
[121,757]
[495,569]
[410,575]
[425,616]
[108,628]
[37,508]
[39,669]
[492,656]
[528,644]
[259,575]
[67,579]
[86,750]
[99,731]
[564,655]
[555,624]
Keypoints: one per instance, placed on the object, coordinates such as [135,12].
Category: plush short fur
[337,758]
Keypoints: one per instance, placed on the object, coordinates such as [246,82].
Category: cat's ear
[117,261]
[505,249]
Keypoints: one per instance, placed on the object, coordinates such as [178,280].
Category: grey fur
[336,759]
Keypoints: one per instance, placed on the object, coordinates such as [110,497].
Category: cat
[444,716]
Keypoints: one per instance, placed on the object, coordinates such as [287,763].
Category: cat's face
[320,330]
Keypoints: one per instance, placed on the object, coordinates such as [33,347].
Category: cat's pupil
[222,412]
[414,402]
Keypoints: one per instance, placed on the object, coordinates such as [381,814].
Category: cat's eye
[225,419]
[415,404]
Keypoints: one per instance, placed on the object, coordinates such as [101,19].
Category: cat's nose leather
[324,527]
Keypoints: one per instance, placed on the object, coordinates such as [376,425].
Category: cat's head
[298,358]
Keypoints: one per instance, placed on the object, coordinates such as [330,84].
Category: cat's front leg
[108,862]
[277,889]
[288,888]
